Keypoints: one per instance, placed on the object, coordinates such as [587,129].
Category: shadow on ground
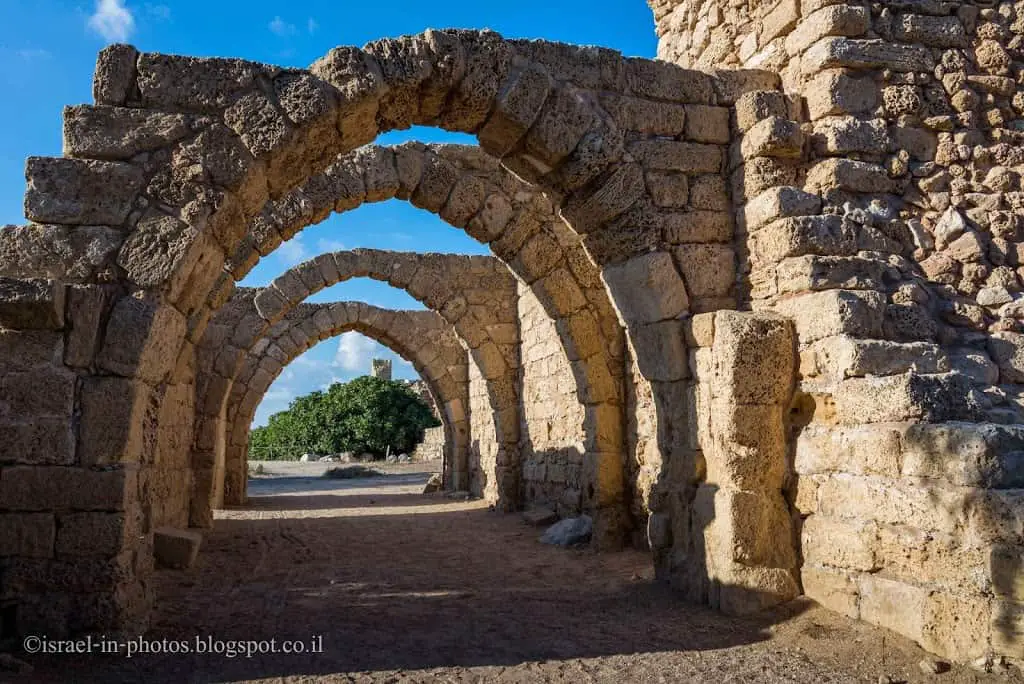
[441,587]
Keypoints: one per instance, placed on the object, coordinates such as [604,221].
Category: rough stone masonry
[755,306]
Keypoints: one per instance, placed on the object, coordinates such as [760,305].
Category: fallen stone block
[175,548]
[569,532]
[433,484]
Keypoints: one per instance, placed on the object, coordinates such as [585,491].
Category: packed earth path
[391,585]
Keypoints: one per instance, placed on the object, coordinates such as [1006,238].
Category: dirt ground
[390,585]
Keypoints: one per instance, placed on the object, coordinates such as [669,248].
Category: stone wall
[877,200]
[433,445]
[483,438]
[552,431]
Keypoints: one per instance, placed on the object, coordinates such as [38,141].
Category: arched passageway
[477,293]
[423,338]
[181,155]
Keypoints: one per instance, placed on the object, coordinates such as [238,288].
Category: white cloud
[325,245]
[293,251]
[311,25]
[112,20]
[354,352]
[281,27]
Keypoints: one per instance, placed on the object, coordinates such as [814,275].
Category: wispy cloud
[293,251]
[325,245]
[354,352]
[311,25]
[281,27]
[112,20]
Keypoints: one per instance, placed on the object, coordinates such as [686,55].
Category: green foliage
[367,414]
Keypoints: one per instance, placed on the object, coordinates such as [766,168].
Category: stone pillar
[735,550]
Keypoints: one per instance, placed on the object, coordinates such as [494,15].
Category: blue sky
[48,49]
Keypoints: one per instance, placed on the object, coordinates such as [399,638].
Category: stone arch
[181,153]
[478,294]
[423,338]
[522,228]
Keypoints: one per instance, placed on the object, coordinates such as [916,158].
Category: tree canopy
[365,415]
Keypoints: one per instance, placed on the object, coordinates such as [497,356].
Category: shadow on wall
[973,475]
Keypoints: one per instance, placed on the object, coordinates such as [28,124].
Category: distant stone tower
[381,368]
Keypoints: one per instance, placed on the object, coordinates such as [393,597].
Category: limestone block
[823,314]
[848,174]
[159,248]
[662,81]
[730,84]
[773,137]
[118,133]
[1007,350]
[836,92]
[647,288]
[834,20]
[779,202]
[177,83]
[828,235]
[748,528]
[859,450]
[749,446]
[708,270]
[845,357]
[966,454]
[756,175]
[709,193]
[1008,628]
[835,589]
[667,188]
[838,135]
[660,350]
[1007,568]
[80,192]
[670,155]
[929,506]
[779,21]
[846,544]
[93,534]
[904,397]
[706,124]
[756,105]
[516,108]
[698,227]
[753,356]
[114,76]
[37,488]
[29,535]
[830,53]
[113,419]
[645,116]
[894,605]
[141,339]
[31,304]
[942,32]
[803,273]
[176,548]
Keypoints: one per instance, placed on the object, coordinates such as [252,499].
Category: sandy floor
[402,587]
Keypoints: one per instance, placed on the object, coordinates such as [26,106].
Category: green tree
[367,414]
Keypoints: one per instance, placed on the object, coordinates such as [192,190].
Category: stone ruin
[756,306]
[381,368]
